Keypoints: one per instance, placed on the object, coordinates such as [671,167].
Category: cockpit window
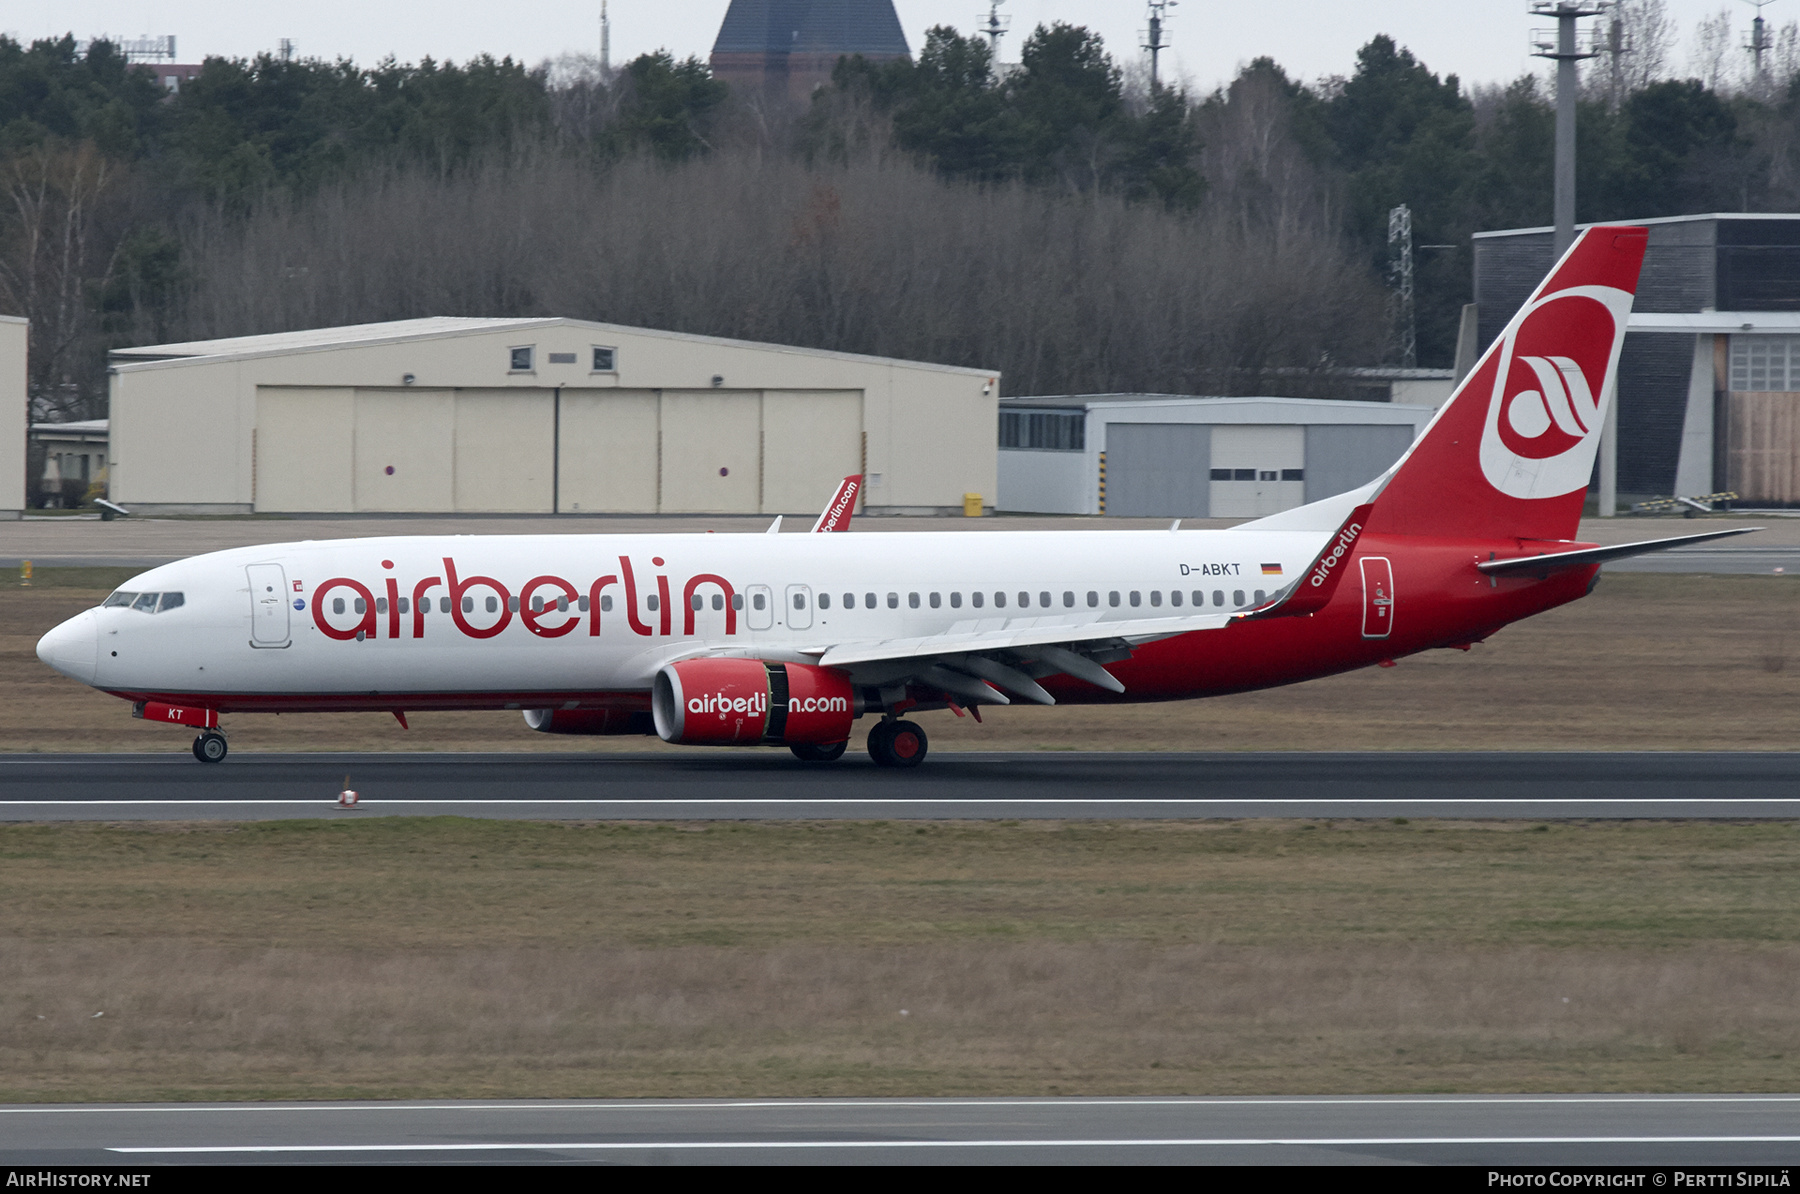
[149,603]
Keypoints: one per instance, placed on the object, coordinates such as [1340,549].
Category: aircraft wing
[838,511]
[1553,561]
[974,664]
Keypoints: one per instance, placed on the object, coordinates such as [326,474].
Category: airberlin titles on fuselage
[559,603]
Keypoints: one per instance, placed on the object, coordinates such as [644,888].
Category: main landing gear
[897,744]
[210,747]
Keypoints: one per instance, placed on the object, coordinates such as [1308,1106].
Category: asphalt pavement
[770,784]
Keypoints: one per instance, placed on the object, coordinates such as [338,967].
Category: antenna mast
[1400,271]
[605,43]
[994,27]
[1153,38]
[1760,44]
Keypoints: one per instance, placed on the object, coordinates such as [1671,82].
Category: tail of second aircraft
[1511,452]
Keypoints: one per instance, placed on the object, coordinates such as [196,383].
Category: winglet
[1312,592]
[774,527]
[837,513]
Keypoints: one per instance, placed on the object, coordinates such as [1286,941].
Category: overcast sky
[1481,40]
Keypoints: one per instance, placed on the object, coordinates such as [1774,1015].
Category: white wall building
[13,415]
[539,416]
[1166,455]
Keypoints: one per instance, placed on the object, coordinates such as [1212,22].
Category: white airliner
[787,640]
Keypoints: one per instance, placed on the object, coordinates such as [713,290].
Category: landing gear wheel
[815,752]
[897,744]
[209,747]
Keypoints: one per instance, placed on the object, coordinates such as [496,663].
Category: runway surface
[1734,1131]
[742,785]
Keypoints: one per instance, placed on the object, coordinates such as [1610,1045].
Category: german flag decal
[1271,569]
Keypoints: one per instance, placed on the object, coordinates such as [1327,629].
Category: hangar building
[1709,381]
[1174,456]
[538,416]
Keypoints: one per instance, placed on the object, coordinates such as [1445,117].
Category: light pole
[1563,52]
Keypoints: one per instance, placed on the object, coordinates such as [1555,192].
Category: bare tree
[1714,55]
[56,252]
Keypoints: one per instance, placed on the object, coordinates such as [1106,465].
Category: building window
[1765,364]
[606,360]
[521,359]
[1053,431]
[562,358]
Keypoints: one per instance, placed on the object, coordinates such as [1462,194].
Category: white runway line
[860,801]
[1180,1142]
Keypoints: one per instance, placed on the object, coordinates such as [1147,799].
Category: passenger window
[1218,596]
[537,605]
[999,600]
[799,601]
[718,601]
[493,605]
[512,603]
[893,601]
[562,606]
[869,600]
[1025,601]
[381,605]
[1044,600]
[737,601]
[362,607]
[405,606]
[699,602]
[756,602]
[824,601]
[1174,596]
[1237,597]
[120,598]
[849,600]
[1136,597]
[468,605]
[1199,598]
[975,599]
[650,603]
[1068,599]
[170,601]
[444,605]
[606,604]
[912,601]
[1112,598]
[1093,599]
[581,603]
[337,605]
[956,601]
[1155,596]
[936,600]
[1259,596]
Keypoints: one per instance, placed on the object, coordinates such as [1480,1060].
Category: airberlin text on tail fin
[1511,453]
[836,516]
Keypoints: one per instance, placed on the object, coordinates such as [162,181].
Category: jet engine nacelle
[743,702]
[588,721]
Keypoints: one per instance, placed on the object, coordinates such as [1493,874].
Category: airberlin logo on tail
[1548,400]
[1329,560]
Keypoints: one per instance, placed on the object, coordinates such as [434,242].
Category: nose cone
[74,647]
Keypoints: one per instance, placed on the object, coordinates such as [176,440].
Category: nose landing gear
[897,744]
[210,747]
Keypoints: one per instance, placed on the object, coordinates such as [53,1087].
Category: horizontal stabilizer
[1554,561]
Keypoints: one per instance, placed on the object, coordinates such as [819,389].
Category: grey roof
[1710,215]
[811,26]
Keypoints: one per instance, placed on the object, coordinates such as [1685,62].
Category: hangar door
[1257,470]
[1341,456]
[1158,470]
[533,450]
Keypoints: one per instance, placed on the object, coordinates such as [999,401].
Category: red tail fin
[1512,451]
[842,505]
